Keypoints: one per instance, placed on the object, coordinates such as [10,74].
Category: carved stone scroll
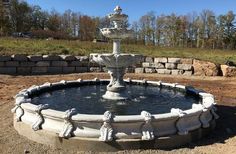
[147,129]
[106,129]
[68,125]
[19,99]
[40,120]
[180,124]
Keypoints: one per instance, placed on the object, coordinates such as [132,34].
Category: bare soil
[222,140]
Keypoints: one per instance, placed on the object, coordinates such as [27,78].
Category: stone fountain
[116,62]
[127,114]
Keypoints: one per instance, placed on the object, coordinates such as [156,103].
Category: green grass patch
[10,46]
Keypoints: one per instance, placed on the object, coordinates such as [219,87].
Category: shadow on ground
[225,127]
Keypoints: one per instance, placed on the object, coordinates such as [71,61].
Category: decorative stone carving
[63,82]
[68,125]
[106,129]
[37,124]
[213,111]
[147,129]
[20,98]
[180,124]
[205,116]
[80,80]
[96,79]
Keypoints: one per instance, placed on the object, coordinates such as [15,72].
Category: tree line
[193,30]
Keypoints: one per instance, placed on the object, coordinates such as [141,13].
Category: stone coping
[108,127]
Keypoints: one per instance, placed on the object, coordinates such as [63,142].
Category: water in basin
[88,100]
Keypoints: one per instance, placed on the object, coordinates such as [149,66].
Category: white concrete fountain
[109,132]
[116,62]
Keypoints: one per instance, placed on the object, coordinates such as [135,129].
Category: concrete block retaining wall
[64,64]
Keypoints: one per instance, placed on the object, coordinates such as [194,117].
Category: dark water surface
[88,100]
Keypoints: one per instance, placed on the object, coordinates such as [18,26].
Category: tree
[87,28]
[20,13]
[39,18]
[54,21]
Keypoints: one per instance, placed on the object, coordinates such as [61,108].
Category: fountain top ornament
[119,31]
[116,62]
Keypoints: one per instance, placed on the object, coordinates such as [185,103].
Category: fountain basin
[108,129]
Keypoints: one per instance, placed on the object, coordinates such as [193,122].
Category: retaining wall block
[160,60]
[130,70]
[68,69]
[24,70]
[81,69]
[149,59]
[186,67]
[19,57]
[186,61]
[174,60]
[35,58]
[39,70]
[96,69]
[5,58]
[163,71]
[188,73]
[204,68]
[159,65]
[2,63]
[43,63]
[67,57]
[147,64]
[171,66]
[139,70]
[82,58]
[78,63]
[228,71]
[93,64]
[59,64]
[54,70]
[7,70]
[150,70]
[27,63]
[51,57]
[12,64]
[177,72]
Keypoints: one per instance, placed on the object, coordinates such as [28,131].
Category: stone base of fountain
[116,95]
[85,144]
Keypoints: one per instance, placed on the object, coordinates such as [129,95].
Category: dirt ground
[222,140]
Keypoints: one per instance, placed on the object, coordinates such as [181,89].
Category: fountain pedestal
[116,87]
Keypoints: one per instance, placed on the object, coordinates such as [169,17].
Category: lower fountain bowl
[113,130]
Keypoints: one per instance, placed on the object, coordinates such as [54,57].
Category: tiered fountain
[127,114]
[116,62]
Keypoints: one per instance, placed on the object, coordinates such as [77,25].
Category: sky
[136,8]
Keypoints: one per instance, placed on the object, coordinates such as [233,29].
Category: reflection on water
[88,100]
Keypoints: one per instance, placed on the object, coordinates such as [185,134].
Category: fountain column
[116,46]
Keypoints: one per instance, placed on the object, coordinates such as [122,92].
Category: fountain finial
[118,9]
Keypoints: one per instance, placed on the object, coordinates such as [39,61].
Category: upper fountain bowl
[116,33]
[116,60]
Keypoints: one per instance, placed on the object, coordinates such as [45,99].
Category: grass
[31,46]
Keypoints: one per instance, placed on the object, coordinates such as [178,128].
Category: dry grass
[32,46]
